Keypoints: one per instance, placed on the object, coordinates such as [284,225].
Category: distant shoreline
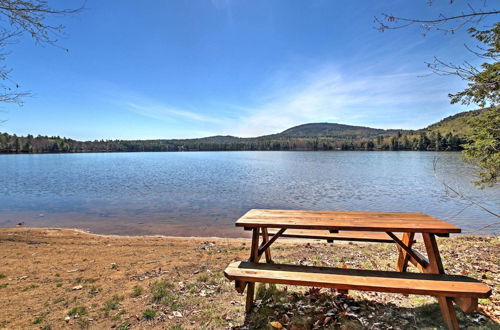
[214,151]
[448,134]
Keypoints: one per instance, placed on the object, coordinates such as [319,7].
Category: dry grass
[60,278]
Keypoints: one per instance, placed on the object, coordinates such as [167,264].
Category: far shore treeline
[447,135]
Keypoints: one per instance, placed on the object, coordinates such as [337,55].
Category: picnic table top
[346,220]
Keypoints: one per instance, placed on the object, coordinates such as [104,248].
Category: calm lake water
[203,193]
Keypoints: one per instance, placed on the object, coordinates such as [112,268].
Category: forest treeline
[421,141]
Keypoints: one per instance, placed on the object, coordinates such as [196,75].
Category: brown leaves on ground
[57,278]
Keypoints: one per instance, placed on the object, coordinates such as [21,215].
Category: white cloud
[392,100]
[165,113]
[329,95]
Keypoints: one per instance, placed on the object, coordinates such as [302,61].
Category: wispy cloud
[168,114]
[328,94]
[397,99]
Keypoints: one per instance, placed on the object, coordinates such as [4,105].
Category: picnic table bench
[357,226]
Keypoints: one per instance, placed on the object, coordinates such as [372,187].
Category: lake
[203,193]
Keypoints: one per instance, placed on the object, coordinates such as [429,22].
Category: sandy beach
[65,278]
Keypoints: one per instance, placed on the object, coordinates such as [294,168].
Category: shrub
[136,291]
[148,314]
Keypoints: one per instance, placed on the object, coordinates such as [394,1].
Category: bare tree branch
[18,17]
[391,22]
[458,193]
[483,227]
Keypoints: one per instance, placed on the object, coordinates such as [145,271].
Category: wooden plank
[240,286]
[265,239]
[346,220]
[415,263]
[435,264]
[354,279]
[404,257]
[449,315]
[254,249]
[266,245]
[408,250]
[355,236]
[468,305]
[436,267]
[254,257]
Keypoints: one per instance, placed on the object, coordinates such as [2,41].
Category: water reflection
[203,193]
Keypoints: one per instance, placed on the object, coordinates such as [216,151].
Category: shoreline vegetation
[63,278]
[448,134]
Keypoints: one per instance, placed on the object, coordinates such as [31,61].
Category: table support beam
[404,257]
[266,245]
[408,250]
[254,257]
[436,267]
[265,239]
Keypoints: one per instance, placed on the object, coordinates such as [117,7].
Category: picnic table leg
[404,257]
[436,267]
[254,257]
[265,239]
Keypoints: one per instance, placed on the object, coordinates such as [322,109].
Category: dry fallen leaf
[276,325]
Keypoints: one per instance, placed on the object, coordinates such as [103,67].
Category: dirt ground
[63,278]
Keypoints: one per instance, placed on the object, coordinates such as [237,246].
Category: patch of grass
[29,287]
[214,279]
[203,278]
[418,300]
[176,327]
[112,304]
[162,292]
[160,289]
[77,310]
[58,285]
[57,275]
[3,285]
[429,312]
[124,326]
[483,301]
[38,320]
[83,323]
[148,314]
[192,287]
[136,291]
[271,291]
[2,276]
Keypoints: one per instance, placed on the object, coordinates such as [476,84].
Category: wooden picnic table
[397,227]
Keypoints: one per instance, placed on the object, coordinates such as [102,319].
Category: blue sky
[179,68]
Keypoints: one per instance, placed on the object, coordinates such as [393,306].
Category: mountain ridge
[446,134]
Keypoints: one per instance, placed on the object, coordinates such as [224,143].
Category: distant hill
[448,134]
[215,139]
[335,131]
[456,124]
